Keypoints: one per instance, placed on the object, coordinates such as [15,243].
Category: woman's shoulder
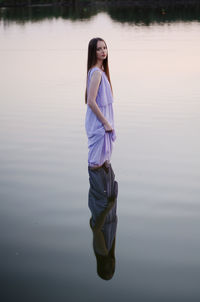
[93,69]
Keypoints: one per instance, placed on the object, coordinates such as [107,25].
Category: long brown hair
[92,59]
[106,264]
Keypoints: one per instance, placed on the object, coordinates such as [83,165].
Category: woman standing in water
[99,126]
[99,121]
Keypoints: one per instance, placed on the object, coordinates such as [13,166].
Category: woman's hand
[108,127]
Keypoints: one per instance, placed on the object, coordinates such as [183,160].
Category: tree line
[133,3]
[131,14]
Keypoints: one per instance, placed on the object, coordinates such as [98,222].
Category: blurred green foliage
[131,11]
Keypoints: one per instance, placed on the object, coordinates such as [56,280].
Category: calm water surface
[46,249]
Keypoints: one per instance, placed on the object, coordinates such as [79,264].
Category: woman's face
[101,51]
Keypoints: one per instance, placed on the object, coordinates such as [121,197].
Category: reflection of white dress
[102,186]
[99,141]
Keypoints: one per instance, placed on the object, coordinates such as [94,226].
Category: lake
[46,241]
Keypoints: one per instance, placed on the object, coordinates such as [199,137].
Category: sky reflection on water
[46,241]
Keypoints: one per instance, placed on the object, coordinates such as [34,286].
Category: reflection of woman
[102,203]
[99,121]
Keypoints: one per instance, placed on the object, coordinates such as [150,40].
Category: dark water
[46,251]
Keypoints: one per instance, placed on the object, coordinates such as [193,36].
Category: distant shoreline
[124,3]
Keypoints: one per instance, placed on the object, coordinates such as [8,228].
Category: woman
[99,121]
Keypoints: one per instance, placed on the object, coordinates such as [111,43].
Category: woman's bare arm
[102,217]
[98,237]
[92,94]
